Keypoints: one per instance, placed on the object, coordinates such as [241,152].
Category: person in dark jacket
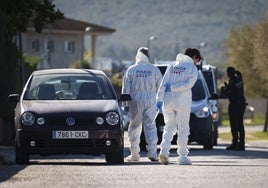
[234,90]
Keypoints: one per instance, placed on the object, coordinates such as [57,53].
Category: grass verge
[256,119]
[250,136]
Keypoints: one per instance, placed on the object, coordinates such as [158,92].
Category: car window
[209,80]
[68,87]
[198,92]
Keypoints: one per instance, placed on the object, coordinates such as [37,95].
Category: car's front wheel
[21,156]
[215,140]
[208,145]
[115,157]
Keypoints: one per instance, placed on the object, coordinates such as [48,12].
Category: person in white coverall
[142,81]
[175,96]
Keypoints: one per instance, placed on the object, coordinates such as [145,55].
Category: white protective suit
[181,75]
[142,81]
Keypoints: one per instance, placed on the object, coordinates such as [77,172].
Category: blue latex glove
[167,87]
[159,105]
[126,109]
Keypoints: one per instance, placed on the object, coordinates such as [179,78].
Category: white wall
[59,57]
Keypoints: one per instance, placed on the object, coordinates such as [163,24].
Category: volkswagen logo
[70,121]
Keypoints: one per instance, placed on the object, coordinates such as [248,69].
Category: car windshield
[198,92]
[68,87]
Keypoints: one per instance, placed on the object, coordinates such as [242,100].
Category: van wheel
[215,140]
[209,144]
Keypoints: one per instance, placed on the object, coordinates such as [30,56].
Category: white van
[201,124]
[210,75]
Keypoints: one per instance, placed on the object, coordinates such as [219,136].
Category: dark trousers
[236,115]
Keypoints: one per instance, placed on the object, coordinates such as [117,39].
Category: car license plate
[69,134]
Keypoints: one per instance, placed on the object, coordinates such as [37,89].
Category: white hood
[184,58]
[140,57]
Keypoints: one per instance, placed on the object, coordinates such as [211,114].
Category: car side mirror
[214,96]
[124,97]
[14,98]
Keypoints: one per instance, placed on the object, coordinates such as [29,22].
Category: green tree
[19,13]
[31,63]
[15,17]
[116,80]
[246,49]
[260,47]
[84,64]
[240,54]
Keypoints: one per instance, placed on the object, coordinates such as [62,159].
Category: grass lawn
[250,136]
[257,119]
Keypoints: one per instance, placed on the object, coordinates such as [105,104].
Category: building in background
[62,43]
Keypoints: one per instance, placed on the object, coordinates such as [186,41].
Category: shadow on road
[218,156]
[6,172]
[249,153]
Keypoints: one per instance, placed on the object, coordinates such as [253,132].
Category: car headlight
[112,118]
[202,113]
[41,121]
[27,118]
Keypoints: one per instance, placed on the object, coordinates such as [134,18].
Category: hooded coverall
[181,75]
[142,81]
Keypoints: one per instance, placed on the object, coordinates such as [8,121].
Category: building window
[35,45]
[69,46]
[49,45]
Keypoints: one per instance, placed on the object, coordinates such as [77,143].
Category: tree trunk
[266,117]
[21,62]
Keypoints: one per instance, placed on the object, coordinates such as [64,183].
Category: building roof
[68,24]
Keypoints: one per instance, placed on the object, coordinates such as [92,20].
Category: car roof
[207,67]
[68,71]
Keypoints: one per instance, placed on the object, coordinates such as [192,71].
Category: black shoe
[233,147]
[241,147]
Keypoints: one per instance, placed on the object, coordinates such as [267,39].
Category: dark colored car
[69,111]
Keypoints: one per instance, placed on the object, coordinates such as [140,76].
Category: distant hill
[177,24]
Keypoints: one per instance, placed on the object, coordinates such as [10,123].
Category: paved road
[7,153]
[216,168]
[211,168]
